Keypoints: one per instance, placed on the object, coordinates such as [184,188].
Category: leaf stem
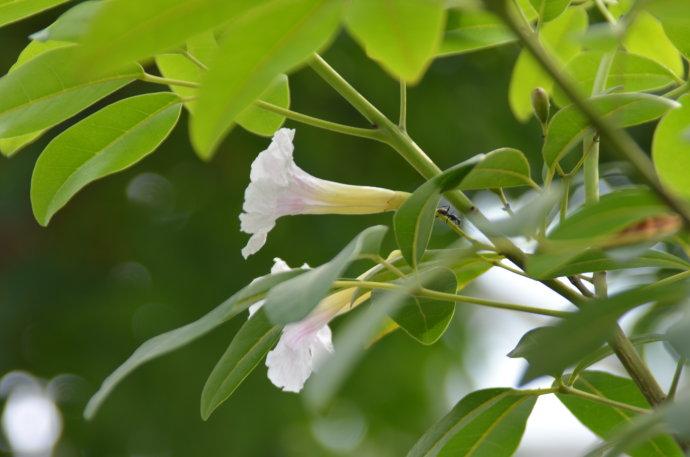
[676,378]
[602,400]
[373,134]
[194,60]
[433,294]
[402,122]
[167,81]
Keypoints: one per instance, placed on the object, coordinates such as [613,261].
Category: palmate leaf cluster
[227,64]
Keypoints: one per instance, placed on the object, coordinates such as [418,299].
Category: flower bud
[541,105]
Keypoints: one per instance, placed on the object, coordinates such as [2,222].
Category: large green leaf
[48,89]
[675,17]
[505,167]
[612,213]
[403,35]
[592,226]
[471,30]
[549,9]
[604,420]
[108,141]
[568,126]
[487,422]
[253,119]
[15,10]
[671,148]
[553,265]
[628,73]
[129,30]
[414,220]
[174,339]
[646,37]
[672,418]
[12,145]
[251,343]
[72,25]
[549,352]
[559,38]
[290,32]
[422,318]
[294,300]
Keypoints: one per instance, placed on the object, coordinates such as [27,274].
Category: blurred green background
[158,245]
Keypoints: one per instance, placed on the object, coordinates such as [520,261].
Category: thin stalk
[372,134]
[194,60]
[621,143]
[602,400]
[436,295]
[402,121]
[676,378]
[605,12]
[167,81]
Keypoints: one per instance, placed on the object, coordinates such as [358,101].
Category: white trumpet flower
[278,187]
[304,345]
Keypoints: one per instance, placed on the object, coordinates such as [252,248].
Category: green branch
[373,134]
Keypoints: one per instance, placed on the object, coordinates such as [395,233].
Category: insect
[445,212]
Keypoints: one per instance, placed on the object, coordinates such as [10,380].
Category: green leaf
[48,90]
[549,353]
[611,214]
[129,30]
[73,24]
[568,126]
[402,35]
[15,10]
[12,145]
[414,220]
[472,30]
[628,73]
[424,319]
[592,226]
[646,37]
[294,300]
[174,339]
[670,148]
[253,119]
[487,422]
[555,265]
[604,420]
[549,9]
[668,418]
[675,17]
[248,347]
[505,167]
[243,69]
[260,121]
[558,37]
[108,141]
